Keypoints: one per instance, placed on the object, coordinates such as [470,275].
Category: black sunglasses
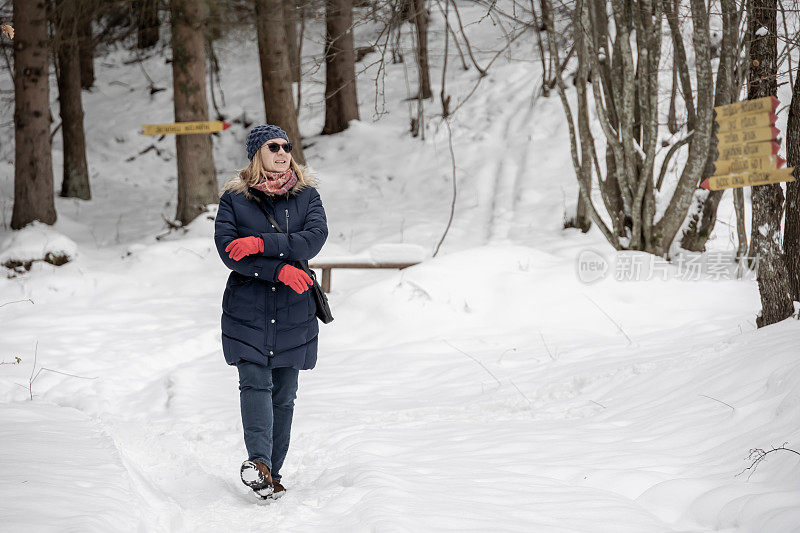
[275,147]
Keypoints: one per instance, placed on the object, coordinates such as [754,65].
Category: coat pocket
[239,299]
[297,306]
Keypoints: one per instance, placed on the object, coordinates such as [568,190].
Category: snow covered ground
[491,388]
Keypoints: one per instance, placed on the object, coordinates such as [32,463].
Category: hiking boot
[278,490]
[273,493]
[256,475]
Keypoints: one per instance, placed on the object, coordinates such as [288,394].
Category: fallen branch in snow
[720,401]
[473,358]
[546,347]
[611,319]
[182,248]
[757,455]
[499,383]
[17,301]
[35,373]
[172,225]
[530,403]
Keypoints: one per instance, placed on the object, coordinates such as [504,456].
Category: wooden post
[326,280]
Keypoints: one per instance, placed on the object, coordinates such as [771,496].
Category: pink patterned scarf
[277,182]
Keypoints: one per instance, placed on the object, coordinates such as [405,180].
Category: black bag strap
[278,227]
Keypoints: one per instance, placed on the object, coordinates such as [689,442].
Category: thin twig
[546,347]
[32,378]
[757,455]
[720,401]
[17,301]
[530,403]
[611,319]
[66,373]
[455,191]
[477,361]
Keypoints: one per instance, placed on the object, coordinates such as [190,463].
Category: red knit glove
[295,278]
[239,248]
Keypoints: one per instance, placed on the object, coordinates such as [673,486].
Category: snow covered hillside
[492,388]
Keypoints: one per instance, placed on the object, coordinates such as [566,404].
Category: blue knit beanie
[261,134]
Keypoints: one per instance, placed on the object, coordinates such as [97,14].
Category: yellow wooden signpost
[730,181]
[768,133]
[751,164]
[748,146]
[758,149]
[767,104]
[185,128]
[746,121]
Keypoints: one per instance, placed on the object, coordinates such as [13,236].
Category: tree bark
[791,225]
[421,24]
[86,50]
[276,78]
[341,102]
[290,15]
[33,165]
[197,177]
[75,178]
[767,200]
[148,22]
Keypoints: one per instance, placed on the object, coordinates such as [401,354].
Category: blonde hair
[255,173]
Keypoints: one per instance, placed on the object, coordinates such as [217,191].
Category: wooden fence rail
[327,267]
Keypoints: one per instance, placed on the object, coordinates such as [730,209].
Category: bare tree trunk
[197,177]
[276,73]
[704,217]
[33,166]
[741,229]
[75,180]
[86,49]
[290,15]
[665,229]
[421,24]
[581,220]
[582,163]
[767,200]
[148,22]
[341,102]
[791,225]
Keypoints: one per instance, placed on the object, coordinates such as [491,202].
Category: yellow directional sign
[767,133]
[735,151]
[730,181]
[747,165]
[185,128]
[767,104]
[743,122]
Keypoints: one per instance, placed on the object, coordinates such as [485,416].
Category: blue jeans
[266,396]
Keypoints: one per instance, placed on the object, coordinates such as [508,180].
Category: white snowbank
[34,242]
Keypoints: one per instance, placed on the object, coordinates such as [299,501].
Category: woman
[269,326]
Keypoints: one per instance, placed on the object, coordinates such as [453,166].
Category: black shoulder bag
[320,298]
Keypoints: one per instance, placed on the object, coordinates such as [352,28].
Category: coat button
[281,254]
[256,274]
[272,321]
[273,289]
[270,352]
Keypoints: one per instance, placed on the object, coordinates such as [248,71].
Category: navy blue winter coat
[263,320]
